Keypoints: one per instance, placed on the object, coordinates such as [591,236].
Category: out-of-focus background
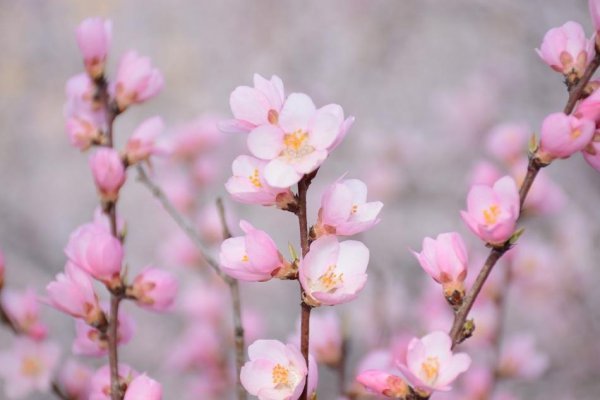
[426,80]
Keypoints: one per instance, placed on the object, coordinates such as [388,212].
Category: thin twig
[305,313]
[238,327]
[457,332]
[184,224]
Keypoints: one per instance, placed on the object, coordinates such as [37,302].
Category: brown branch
[110,210]
[305,313]
[238,327]
[459,331]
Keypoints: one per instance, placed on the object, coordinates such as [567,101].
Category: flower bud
[154,289]
[140,145]
[136,81]
[109,172]
[562,135]
[93,37]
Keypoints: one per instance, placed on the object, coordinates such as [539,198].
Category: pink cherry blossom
[89,341]
[383,383]
[143,388]
[563,135]
[445,259]
[508,142]
[567,50]
[276,371]
[252,257]
[431,365]
[136,81]
[520,359]
[141,144]
[492,212]
[80,91]
[326,346]
[28,366]
[100,383]
[299,143]
[345,210]
[93,37]
[108,172]
[74,379]
[22,308]
[255,106]
[97,252]
[73,293]
[248,185]
[154,289]
[333,272]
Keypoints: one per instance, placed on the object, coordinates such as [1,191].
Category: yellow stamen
[491,214]
[575,134]
[245,258]
[431,369]
[255,179]
[354,209]
[295,140]
[281,375]
[330,280]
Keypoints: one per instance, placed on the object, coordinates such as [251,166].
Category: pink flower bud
[97,252]
[82,132]
[253,257]
[445,259]
[345,211]
[333,272]
[136,81]
[255,106]
[430,364]
[143,388]
[140,145]
[277,371]
[93,37]
[27,366]
[562,135]
[492,212]
[74,379]
[154,289]
[300,142]
[100,383]
[73,293]
[108,171]
[383,383]
[248,185]
[22,308]
[567,50]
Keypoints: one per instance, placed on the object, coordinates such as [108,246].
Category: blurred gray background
[425,79]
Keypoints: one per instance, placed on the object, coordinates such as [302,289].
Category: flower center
[575,134]
[295,145]
[31,366]
[354,209]
[254,179]
[330,280]
[431,369]
[491,214]
[245,258]
[281,376]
